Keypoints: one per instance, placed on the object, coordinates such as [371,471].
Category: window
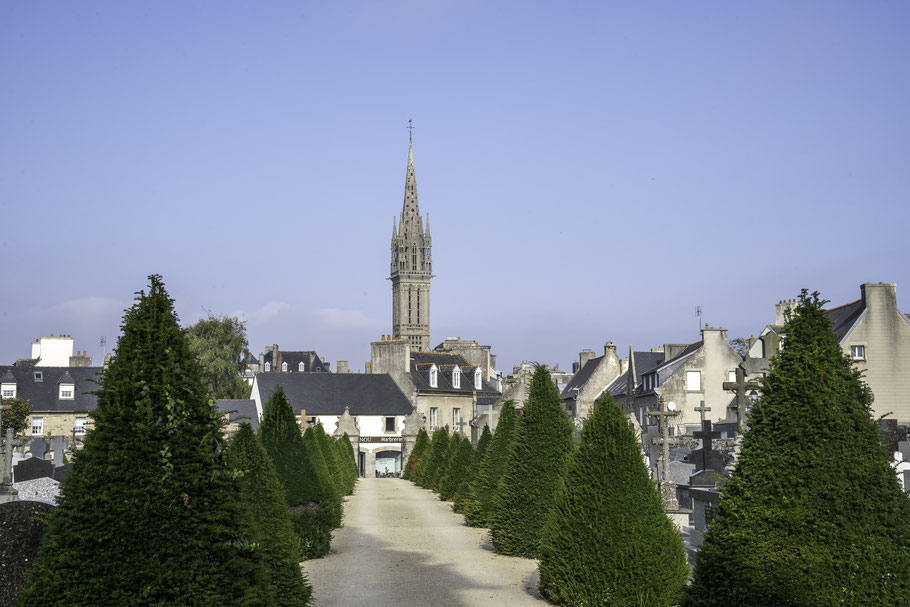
[284,367]
[731,376]
[456,377]
[301,368]
[66,391]
[650,381]
[39,376]
[434,377]
[693,381]
[268,367]
[434,417]
[858,352]
[8,391]
[79,425]
[478,379]
[37,426]
[456,419]
[390,424]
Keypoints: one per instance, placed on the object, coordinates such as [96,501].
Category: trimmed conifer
[330,499]
[267,518]
[607,540]
[420,445]
[451,450]
[439,444]
[536,462]
[479,502]
[350,457]
[345,464]
[458,468]
[462,492]
[307,498]
[331,458]
[813,513]
[149,514]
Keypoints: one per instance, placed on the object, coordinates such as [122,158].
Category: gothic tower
[412,268]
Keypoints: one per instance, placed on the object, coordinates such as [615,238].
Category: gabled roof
[311,361]
[422,362]
[645,362]
[845,316]
[239,411]
[580,379]
[8,377]
[330,393]
[44,394]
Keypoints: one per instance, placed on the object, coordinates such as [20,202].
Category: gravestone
[680,472]
[57,447]
[7,491]
[38,447]
[32,468]
[709,464]
[61,472]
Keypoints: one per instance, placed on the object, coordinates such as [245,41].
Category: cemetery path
[401,545]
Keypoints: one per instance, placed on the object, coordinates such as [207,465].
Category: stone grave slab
[38,447]
[680,472]
[61,472]
[32,468]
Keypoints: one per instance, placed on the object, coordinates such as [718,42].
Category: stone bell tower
[411,268]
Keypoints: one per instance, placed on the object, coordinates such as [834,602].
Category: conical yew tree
[461,493]
[330,500]
[454,442]
[150,514]
[267,518]
[526,491]
[607,540]
[420,445]
[479,502]
[439,445]
[307,494]
[458,468]
[813,513]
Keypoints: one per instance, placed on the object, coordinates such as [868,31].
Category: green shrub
[813,513]
[607,540]
[150,514]
[462,492]
[479,502]
[267,518]
[428,466]
[451,450]
[458,468]
[420,445]
[536,462]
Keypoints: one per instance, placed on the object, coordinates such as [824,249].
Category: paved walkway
[401,545]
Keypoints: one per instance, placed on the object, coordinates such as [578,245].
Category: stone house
[872,331]
[593,376]
[274,360]
[372,409]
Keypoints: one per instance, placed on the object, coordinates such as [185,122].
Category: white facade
[53,351]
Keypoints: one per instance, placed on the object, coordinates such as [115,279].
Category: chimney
[879,297]
[583,357]
[341,366]
[671,351]
[780,310]
[609,347]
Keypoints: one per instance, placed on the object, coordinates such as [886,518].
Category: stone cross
[706,435]
[663,415]
[702,409]
[302,421]
[740,386]
[461,424]
[8,493]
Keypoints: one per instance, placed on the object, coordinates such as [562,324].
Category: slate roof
[843,317]
[312,363]
[422,362]
[645,362]
[239,411]
[330,393]
[43,394]
[580,379]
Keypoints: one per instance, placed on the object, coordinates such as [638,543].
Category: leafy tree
[607,540]
[458,468]
[309,501]
[267,518]
[149,514]
[813,513]
[14,415]
[219,343]
[428,466]
[420,445]
[740,345]
[461,493]
[536,462]
[480,501]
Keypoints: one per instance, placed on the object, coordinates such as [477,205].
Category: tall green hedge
[330,498]
[813,513]
[607,540]
[537,461]
[420,445]
[427,469]
[309,499]
[458,500]
[458,468]
[267,518]
[150,513]
[478,504]
[436,481]
[326,446]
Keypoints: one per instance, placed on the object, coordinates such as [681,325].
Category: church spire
[394,228]
[410,210]
[427,231]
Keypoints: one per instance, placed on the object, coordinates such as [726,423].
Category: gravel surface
[38,490]
[400,545]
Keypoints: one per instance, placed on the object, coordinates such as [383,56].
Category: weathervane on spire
[410,128]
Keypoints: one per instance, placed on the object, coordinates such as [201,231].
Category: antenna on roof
[698,314]
[103,347]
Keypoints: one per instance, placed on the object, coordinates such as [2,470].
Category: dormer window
[456,377]
[284,367]
[39,376]
[301,368]
[8,391]
[434,377]
[67,391]
[268,367]
[478,379]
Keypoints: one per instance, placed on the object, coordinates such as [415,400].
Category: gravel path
[401,545]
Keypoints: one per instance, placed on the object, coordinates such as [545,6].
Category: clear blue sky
[592,171]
